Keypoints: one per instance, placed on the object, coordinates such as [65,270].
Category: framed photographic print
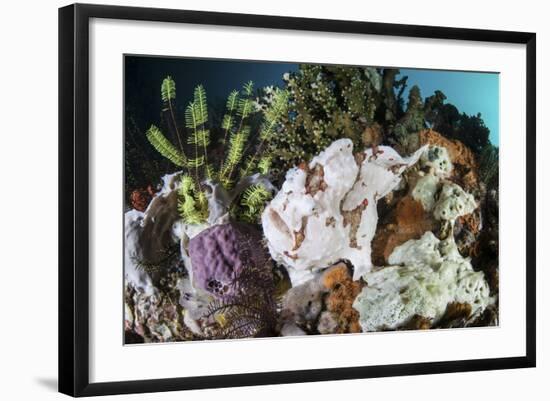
[250,199]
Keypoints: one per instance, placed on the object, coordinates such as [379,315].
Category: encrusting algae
[342,291]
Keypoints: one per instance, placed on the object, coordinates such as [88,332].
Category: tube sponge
[220,254]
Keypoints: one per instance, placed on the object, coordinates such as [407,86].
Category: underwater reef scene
[323,199]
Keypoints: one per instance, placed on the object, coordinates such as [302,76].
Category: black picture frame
[74,201]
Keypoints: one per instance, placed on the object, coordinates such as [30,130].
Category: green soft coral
[165,147]
[235,153]
[243,156]
[168,89]
[254,200]
[192,203]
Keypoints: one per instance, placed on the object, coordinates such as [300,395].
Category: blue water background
[470,92]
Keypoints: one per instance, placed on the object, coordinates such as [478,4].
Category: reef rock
[152,241]
[153,317]
[323,304]
[326,210]
[195,303]
[430,199]
[149,235]
[410,214]
[485,252]
[134,275]
[301,307]
[426,275]
[408,220]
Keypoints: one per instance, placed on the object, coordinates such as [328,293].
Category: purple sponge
[220,253]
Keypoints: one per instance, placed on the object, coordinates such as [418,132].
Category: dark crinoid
[167,261]
[250,310]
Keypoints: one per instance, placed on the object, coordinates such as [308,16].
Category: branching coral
[331,102]
[404,131]
[365,105]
